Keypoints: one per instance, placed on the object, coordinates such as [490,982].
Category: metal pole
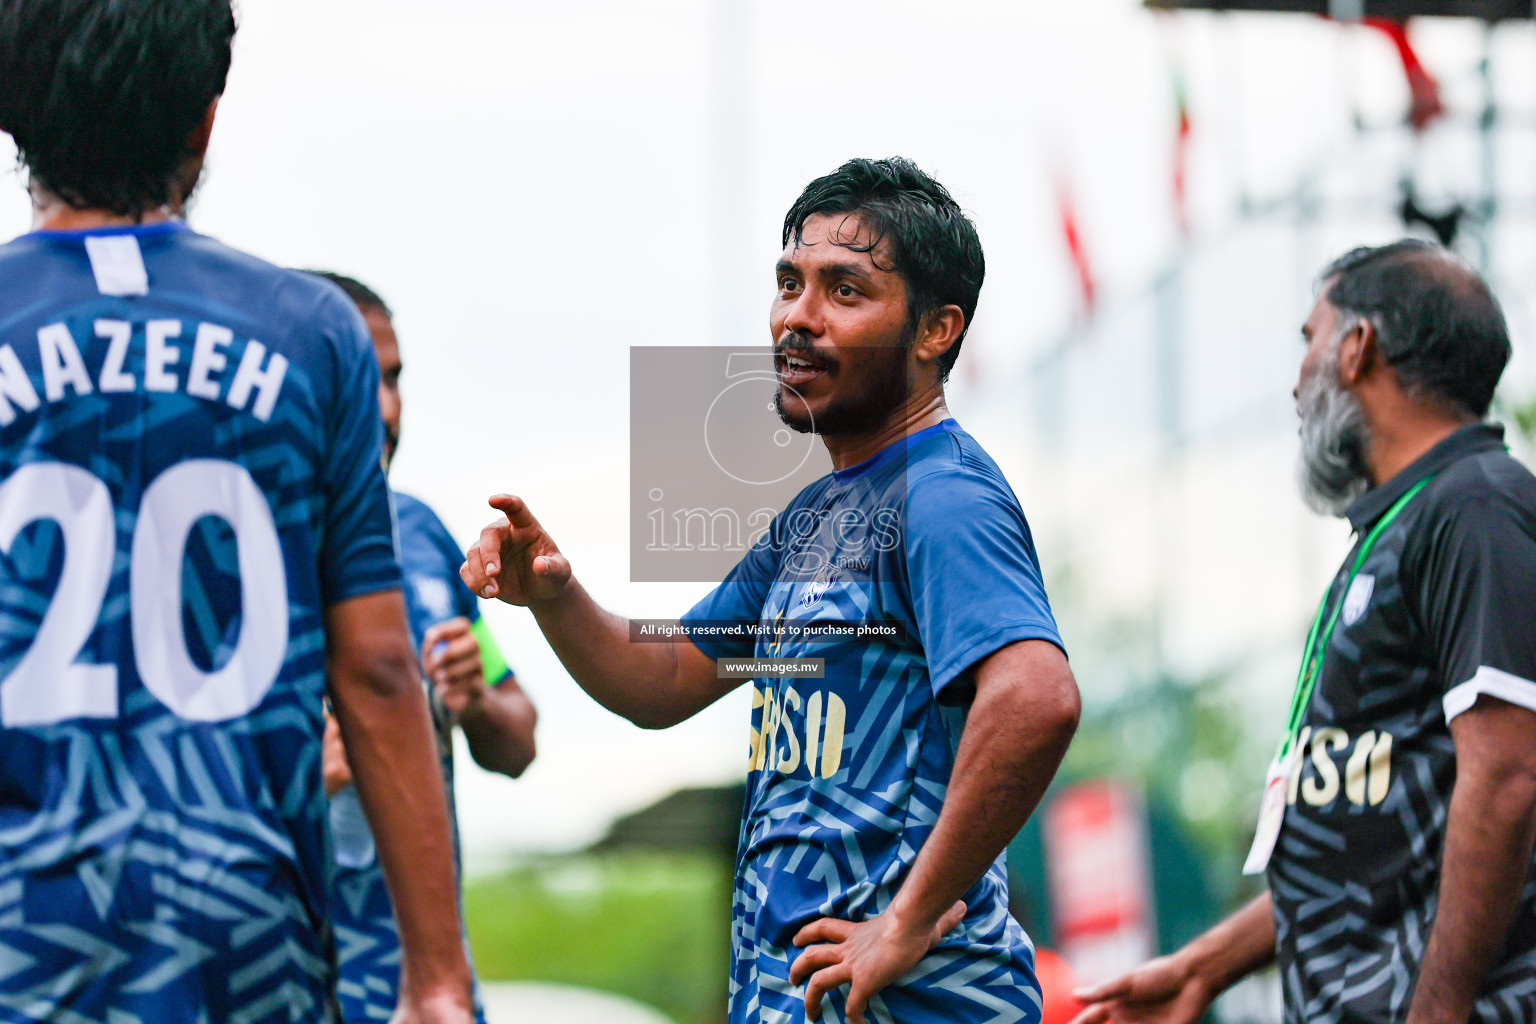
[1168,494]
[1346,10]
[1487,127]
[1052,381]
[1170,326]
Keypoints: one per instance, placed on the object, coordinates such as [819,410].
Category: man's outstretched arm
[652,685]
[381,708]
[1017,731]
[1180,987]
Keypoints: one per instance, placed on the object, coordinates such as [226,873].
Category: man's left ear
[191,168]
[938,332]
[1357,354]
[202,133]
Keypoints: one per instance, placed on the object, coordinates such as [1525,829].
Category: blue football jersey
[368,940]
[189,477]
[926,548]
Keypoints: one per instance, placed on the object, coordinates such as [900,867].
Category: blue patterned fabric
[188,478]
[368,940]
[848,773]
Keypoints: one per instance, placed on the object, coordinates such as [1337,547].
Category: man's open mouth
[795,370]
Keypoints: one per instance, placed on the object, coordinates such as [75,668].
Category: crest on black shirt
[1358,598]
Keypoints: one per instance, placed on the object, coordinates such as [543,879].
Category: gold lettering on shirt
[788,762]
[812,729]
[775,712]
[755,740]
[1297,755]
[832,740]
[1325,787]
[1367,777]
[774,741]
[1381,769]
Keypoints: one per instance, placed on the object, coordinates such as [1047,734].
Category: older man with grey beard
[1398,818]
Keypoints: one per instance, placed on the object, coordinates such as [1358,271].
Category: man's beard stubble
[1335,439]
[391,445]
[862,411]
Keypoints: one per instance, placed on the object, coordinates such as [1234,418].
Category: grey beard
[1334,440]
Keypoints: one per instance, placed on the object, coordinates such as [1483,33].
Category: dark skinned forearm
[1235,948]
[1179,988]
[1016,733]
[499,728]
[631,680]
[654,685]
[1489,837]
[386,728]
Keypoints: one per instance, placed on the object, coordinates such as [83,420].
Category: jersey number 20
[48,685]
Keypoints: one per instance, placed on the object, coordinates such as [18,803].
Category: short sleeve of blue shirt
[469,604]
[975,581]
[451,555]
[739,598]
[357,556]
[434,593]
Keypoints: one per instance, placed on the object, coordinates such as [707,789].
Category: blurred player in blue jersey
[870,883]
[195,547]
[472,687]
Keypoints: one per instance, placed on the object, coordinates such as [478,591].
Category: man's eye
[846,291]
[789,284]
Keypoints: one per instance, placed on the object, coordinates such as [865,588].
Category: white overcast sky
[535,188]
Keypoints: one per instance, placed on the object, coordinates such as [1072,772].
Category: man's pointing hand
[515,560]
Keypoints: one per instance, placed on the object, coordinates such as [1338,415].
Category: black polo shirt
[1442,611]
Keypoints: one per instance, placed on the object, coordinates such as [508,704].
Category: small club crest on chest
[1358,598]
[819,585]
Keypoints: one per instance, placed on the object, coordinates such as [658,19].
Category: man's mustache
[798,344]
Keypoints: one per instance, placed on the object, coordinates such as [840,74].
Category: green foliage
[1525,419]
[653,927]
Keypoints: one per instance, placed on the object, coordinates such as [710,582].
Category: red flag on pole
[1425,105]
[1067,208]
[1181,155]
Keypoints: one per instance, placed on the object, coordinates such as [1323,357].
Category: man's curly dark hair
[933,245]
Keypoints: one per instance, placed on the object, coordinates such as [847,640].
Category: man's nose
[802,316]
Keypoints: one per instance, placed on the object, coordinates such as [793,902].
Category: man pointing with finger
[869,882]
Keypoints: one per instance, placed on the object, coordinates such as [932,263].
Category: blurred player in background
[471,686]
[195,542]
[882,795]
[1399,817]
